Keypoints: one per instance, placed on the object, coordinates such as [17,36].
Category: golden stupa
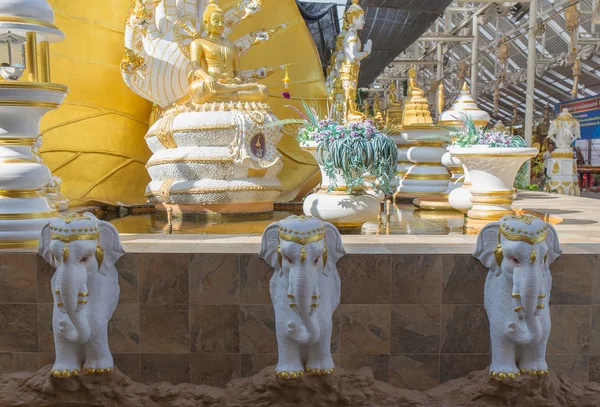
[416,108]
[95,141]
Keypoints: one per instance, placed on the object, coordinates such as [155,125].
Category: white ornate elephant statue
[305,290]
[85,287]
[518,251]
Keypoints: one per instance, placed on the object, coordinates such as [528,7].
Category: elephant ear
[110,243]
[487,241]
[335,248]
[268,246]
[44,246]
[553,244]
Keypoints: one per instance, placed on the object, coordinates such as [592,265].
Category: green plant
[355,150]
[350,150]
[533,187]
[468,135]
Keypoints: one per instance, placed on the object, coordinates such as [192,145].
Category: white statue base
[562,169]
[24,208]
[215,158]
[403,163]
[427,175]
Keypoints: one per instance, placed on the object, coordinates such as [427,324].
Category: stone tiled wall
[416,320]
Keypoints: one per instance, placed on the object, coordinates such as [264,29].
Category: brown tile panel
[11,362]
[128,363]
[366,279]
[415,328]
[465,329]
[47,358]
[463,279]
[44,275]
[379,363]
[18,278]
[365,328]
[575,366]
[255,275]
[124,329]
[595,333]
[572,277]
[170,368]
[164,278]
[214,279]
[453,366]
[164,328]
[415,371]
[46,336]
[252,363]
[127,267]
[257,329]
[416,279]
[19,328]
[570,332]
[594,375]
[214,328]
[215,369]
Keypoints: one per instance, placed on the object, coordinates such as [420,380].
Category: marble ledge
[360,244]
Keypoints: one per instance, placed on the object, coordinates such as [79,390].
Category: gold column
[31,57]
[44,61]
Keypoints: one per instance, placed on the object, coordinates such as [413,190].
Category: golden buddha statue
[416,107]
[394,110]
[366,110]
[353,54]
[216,67]
[377,113]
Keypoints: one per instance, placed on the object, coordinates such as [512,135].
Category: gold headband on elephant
[68,235]
[516,234]
[302,238]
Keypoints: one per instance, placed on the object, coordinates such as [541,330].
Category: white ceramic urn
[339,207]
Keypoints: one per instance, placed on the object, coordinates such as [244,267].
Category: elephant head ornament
[85,288]
[564,130]
[518,251]
[305,290]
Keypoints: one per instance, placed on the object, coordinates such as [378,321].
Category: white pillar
[529,108]
[474,58]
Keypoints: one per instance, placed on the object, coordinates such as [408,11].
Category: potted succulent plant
[493,159]
[357,163]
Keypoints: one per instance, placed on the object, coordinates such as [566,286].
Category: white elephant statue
[85,287]
[564,130]
[518,251]
[305,290]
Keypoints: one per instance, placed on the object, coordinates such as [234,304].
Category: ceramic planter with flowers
[347,155]
[493,159]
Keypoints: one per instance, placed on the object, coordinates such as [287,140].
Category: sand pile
[343,388]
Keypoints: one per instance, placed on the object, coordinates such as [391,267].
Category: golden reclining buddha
[216,66]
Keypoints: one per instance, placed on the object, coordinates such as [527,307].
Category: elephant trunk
[526,282]
[72,281]
[303,286]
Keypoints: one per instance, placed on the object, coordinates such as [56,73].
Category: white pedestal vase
[427,175]
[24,208]
[403,162]
[344,210]
[492,171]
[455,167]
[460,198]
[562,169]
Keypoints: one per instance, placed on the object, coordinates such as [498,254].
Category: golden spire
[465,87]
